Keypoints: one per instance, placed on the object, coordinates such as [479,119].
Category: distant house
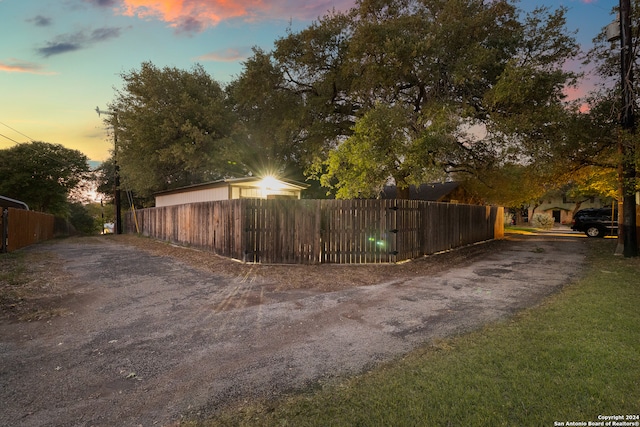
[561,207]
[445,192]
[233,188]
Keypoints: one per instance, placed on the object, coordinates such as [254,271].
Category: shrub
[542,221]
[82,220]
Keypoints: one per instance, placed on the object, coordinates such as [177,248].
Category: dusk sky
[59,59]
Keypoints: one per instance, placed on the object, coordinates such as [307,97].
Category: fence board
[24,228]
[321,231]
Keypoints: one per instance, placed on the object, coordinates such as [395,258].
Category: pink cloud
[15,66]
[178,11]
[585,87]
[197,15]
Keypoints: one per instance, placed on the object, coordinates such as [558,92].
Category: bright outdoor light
[270,183]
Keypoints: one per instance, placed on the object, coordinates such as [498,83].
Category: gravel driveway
[151,339]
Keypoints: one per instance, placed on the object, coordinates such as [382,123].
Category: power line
[30,148]
[10,139]
[17,131]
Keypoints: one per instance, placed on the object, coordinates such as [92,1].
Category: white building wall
[206,195]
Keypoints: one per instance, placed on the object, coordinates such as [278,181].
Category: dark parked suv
[596,222]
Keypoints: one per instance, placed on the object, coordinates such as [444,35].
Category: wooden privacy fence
[320,231]
[20,228]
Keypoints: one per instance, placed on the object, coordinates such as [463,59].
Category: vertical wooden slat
[25,228]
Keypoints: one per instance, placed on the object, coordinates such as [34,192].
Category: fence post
[395,224]
[4,224]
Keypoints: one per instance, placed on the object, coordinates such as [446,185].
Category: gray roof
[430,192]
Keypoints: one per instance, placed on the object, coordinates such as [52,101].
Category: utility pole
[116,190]
[627,122]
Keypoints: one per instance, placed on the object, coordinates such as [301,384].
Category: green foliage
[105,178]
[380,147]
[172,128]
[577,153]
[266,138]
[82,220]
[478,61]
[42,175]
[390,91]
[595,181]
[605,103]
[512,184]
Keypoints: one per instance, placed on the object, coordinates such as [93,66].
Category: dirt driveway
[152,333]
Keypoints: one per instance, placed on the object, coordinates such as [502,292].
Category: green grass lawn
[575,357]
[512,229]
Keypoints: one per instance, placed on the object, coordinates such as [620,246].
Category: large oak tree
[267,131]
[172,129]
[404,90]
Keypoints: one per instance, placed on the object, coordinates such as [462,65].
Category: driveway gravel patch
[150,337]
